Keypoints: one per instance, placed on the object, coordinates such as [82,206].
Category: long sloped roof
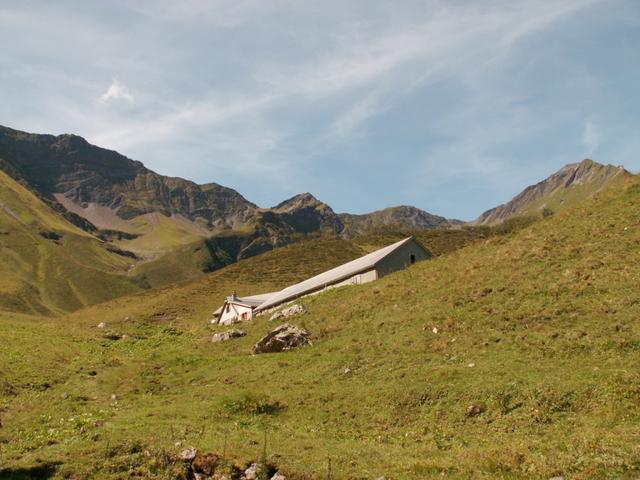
[332,276]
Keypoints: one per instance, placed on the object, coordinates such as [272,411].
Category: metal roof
[331,277]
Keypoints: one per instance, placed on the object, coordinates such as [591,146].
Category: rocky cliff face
[141,211]
[568,186]
[306,214]
[84,174]
[105,187]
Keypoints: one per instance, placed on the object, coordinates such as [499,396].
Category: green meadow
[512,353]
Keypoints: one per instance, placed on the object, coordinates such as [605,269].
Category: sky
[449,105]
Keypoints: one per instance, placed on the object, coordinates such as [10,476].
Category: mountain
[569,186]
[404,217]
[155,216]
[47,264]
[515,357]
[82,176]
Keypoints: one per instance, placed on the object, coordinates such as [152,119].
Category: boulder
[187,455]
[278,476]
[228,335]
[284,337]
[288,312]
[102,325]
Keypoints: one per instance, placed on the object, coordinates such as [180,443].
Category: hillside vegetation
[155,216]
[48,265]
[515,357]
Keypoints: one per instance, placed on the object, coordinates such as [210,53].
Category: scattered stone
[435,330]
[288,312]
[474,409]
[178,444]
[114,397]
[228,335]
[112,336]
[252,472]
[64,396]
[278,476]
[284,337]
[347,370]
[557,478]
[471,365]
[187,455]
[102,325]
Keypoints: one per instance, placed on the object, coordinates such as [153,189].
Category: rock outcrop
[282,338]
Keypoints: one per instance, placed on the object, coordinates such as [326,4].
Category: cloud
[116,91]
[591,137]
[294,92]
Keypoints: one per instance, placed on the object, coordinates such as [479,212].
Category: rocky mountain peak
[299,201]
[571,184]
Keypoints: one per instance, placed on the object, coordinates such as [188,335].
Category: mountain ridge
[80,175]
[571,184]
[114,192]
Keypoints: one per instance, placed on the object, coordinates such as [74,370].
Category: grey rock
[228,335]
[252,472]
[296,309]
[188,454]
[284,337]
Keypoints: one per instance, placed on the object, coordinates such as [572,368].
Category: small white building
[236,309]
[365,269]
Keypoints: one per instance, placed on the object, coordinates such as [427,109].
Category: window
[228,308]
[413,259]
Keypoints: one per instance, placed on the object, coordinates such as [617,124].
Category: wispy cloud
[116,91]
[591,137]
[293,93]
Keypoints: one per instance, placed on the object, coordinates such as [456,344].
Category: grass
[41,275]
[515,357]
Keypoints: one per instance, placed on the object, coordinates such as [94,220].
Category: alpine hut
[365,269]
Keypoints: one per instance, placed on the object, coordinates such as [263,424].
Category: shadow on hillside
[44,470]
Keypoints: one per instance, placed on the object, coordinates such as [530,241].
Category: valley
[511,356]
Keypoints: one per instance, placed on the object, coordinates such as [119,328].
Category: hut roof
[331,277]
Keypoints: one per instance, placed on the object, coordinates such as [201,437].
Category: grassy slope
[187,262]
[538,328]
[39,275]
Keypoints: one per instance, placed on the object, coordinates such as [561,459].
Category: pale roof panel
[332,276]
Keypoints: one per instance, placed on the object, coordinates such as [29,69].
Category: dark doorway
[413,259]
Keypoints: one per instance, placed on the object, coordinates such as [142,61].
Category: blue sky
[453,106]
